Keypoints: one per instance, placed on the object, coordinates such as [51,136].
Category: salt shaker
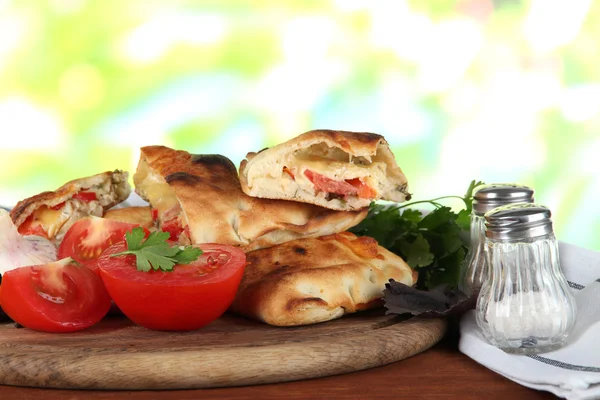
[486,198]
[525,306]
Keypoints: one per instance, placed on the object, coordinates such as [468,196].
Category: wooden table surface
[440,372]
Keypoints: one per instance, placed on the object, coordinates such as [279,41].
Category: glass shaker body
[474,269]
[526,306]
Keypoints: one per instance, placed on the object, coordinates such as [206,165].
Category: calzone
[51,214]
[198,199]
[334,169]
[306,281]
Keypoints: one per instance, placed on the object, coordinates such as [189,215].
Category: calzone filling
[52,222]
[166,209]
[331,173]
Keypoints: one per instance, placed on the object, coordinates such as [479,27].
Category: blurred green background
[493,90]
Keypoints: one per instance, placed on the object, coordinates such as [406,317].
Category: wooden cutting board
[232,351]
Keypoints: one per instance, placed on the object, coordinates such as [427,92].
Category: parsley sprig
[433,244]
[155,252]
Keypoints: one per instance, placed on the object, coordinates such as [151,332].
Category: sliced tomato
[90,236]
[58,206]
[325,184]
[364,191]
[85,196]
[173,226]
[186,298]
[61,296]
[348,187]
[154,214]
[28,227]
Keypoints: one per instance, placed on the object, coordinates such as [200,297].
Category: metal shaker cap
[488,197]
[518,221]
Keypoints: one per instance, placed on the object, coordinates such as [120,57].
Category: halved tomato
[61,296]
[89,237]
[186,298]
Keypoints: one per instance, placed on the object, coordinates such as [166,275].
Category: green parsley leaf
[155,252]
[135,238]
[468,197]
[412,215]
[417,252]
[187,255]
[434,244]
[437,218]
[157,238]
[446,270]
[463,220]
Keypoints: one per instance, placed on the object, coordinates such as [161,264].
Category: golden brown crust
[312,280]
[118,179]
[217,210]
[355,143]
[371,146]
[133,215]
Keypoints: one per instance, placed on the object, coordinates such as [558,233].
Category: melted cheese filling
[157,192]
[50,220]
[57,222]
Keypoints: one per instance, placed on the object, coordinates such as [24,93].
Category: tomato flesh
[85,196]
[325,184]
[173,226]
[355,187]
[87,238]
[187,298]
[58,206]
[364,191]
[29,228]
[61,296]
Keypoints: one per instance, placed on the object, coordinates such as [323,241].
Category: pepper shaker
[526,306]
[485,198]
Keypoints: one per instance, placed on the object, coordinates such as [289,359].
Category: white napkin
[573,371]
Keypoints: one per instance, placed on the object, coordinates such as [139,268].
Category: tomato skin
[364,191]
[180,300]
[348,187]
[61,296]
[58,206]
[87,238]
[325,184]
[85,196]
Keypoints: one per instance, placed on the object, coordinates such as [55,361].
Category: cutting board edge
[325,358]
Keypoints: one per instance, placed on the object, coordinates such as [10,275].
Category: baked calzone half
[334,169]
[306,281]
[198,199]
[51,214]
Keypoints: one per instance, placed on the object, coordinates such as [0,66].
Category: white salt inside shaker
[526,306]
